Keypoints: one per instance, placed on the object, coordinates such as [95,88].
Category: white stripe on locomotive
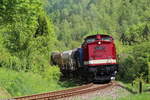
[100,61]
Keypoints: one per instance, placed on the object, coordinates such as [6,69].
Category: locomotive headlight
[99,42]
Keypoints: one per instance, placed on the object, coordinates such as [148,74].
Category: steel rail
[35,96]
[66,93]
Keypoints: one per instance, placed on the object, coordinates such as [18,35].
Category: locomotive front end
[100,57]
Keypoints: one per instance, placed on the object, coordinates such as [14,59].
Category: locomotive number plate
[99,48]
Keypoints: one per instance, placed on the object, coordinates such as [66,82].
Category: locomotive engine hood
[99,50]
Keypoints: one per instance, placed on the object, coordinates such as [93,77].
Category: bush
[135,62]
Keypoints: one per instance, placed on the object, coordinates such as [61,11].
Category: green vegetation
[134,62]
[31,29]
[134,87]
[75,19]
[22,83]
[26,39]
[27,36]
[144,96]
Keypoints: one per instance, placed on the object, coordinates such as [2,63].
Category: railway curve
[67,92]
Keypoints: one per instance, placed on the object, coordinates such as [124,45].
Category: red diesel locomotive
[95,60]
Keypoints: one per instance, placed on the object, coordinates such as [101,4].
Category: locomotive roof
[94,36]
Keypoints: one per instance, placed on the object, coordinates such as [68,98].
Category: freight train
[95,60]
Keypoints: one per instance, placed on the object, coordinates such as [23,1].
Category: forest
[31,29]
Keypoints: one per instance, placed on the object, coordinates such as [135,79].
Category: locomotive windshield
[90,40]
[93,39]
[106,39]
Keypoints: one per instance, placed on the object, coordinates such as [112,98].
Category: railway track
[66,93]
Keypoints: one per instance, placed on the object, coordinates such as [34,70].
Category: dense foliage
[76,18]
[135,62]
[26,37]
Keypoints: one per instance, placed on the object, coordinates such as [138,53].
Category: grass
[21,83]
[135,87]
[147,86]
[144,96]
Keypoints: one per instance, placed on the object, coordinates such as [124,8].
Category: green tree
[27,36]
